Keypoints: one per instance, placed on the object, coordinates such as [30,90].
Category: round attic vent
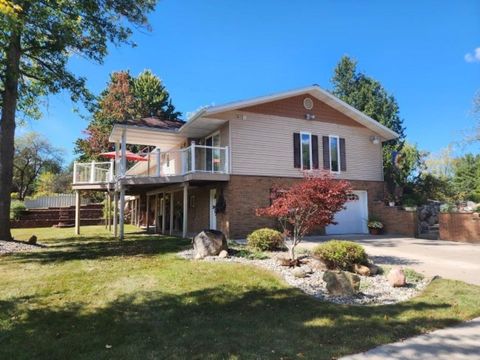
[308,103]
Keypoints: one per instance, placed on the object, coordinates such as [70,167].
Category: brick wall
[463,227]
[395,219]
[244,194]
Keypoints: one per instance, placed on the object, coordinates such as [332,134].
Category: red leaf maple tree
[312,202]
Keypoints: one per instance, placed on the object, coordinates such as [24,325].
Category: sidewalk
[455,343]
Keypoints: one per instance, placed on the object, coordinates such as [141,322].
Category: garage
[353,219]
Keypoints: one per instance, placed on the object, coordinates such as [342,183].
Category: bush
[339,254]
[448,208]
[265,239]
[409,202]
[16,208]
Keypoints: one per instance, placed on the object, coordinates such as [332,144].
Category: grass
[93,297]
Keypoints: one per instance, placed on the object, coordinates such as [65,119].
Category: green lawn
[92,297]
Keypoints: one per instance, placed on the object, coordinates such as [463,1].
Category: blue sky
[214,51]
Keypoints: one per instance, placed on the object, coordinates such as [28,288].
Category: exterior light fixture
[375,140]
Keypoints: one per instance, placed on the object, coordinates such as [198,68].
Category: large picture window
[334,153]
[306,153]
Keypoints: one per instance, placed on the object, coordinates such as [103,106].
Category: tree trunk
[7,131]
[291,251]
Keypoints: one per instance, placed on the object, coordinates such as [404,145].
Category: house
[214,170]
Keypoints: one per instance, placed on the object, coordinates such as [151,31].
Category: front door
[213,203]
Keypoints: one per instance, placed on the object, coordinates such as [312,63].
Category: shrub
[448,208]
[409,202]
[16,208]
[265,239]
[339,254]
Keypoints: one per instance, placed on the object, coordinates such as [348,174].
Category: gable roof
[313,90]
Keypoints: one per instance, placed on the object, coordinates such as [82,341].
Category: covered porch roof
[165,139]
[142,135]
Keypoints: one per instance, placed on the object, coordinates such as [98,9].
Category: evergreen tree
[369,96]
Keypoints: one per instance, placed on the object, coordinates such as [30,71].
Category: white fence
[59,200]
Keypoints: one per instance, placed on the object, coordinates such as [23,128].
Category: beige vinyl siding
[263,145]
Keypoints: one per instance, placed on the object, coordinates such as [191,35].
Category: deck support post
[163,213]
[122,213]
[109,211]
[171,213]
[117,159]
[157,225]
[124,153]
[115,214]
[147,214]
[77,212]
[139,211]
[133,214]
[185,210]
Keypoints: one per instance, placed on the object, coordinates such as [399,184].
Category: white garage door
[352,220]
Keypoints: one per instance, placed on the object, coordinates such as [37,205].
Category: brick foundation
[244,194]
[464,227]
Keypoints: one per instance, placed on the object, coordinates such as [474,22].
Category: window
[306,153]
[212,158]
[334,154]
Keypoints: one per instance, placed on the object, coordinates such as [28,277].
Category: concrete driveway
[448,259]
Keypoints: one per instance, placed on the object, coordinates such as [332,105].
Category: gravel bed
[7,247]
[374,290]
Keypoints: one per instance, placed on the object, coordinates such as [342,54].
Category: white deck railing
[193,159]
[93,172]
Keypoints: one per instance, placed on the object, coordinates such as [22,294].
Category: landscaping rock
[223,254]
[299,273]
[396,277]
[32,240]
[373,289]
[374,269]
[209,243]
[341,283]
[361,270]
[317,264]
[307,269]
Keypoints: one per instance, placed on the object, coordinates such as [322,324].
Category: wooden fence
[58,200]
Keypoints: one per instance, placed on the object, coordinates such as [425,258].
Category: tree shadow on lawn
[213,323]
[93,247]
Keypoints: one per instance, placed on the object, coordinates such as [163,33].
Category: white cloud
[473,57]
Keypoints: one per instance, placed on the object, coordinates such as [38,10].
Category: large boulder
[396,277]
[209,243]
[341,283]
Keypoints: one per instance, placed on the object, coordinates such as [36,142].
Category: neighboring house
[228,158]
